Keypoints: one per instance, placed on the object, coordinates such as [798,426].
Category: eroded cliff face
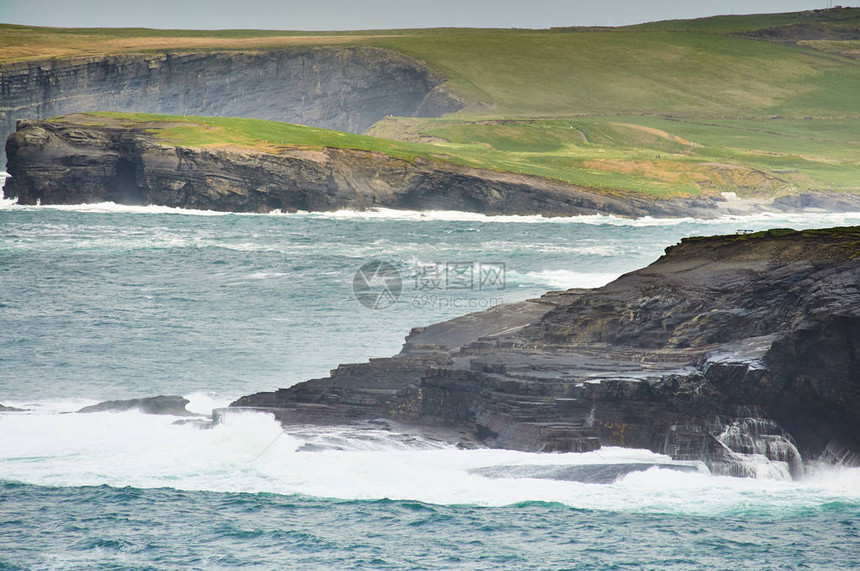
[741,352]
[342,88]
[85,159]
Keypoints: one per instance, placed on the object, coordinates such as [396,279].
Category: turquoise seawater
[106,302]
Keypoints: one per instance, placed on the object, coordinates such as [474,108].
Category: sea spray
[430,216]
[144,451]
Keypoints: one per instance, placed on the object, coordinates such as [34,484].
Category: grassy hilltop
[757,105]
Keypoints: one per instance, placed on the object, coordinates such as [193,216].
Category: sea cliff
[84,159]
[342,88]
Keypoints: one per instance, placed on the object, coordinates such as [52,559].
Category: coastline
[78,160]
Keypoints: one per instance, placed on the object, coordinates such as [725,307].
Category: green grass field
[666,73]
[663,109]
[665,157]
[635,155]
[257,134]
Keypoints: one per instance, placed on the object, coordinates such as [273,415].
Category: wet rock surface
[739,351]
[168,405]
[10,409]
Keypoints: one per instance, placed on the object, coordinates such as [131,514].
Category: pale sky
[375,14]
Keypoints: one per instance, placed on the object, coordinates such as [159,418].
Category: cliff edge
[86,158]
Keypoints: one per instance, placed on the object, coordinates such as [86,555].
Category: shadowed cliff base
[739,351]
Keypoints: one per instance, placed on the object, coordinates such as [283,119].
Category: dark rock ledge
[10,409]
[162,404]
[739,351]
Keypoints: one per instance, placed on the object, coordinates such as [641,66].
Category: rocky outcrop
[739,351]
[821,201]
[83,159]
[839,28]
[10,409]
[168,405]
[342,88]
[838,24]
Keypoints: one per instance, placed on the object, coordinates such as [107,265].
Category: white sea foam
[804,218]
[5,202]
[113,208]
[203,403]
[584,248]
[267,275]
[596,219]
[565,279]
[49,407]
[248,452]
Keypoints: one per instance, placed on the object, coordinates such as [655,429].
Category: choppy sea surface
[107,302]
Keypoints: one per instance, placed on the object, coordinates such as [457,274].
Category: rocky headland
[739,351]
[84,159]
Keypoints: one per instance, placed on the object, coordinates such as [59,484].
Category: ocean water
[106,302]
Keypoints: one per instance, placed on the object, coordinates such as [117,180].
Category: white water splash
[775,218]
[805,218]
[113,208]
[565,279]
[249,453]
[5,202]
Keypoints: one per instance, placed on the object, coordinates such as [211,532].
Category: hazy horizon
[334,15]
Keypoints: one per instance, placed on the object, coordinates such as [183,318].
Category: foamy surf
[249,452]
[390,214]
[5,202]
[594,219]
[565,279]
[113,208]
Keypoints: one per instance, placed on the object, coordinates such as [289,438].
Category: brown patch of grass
[149,44]
[662,171]
[847,48]
[655,132]
[46,46]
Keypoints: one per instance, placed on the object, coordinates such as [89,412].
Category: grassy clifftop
[819,246]
[638,155]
